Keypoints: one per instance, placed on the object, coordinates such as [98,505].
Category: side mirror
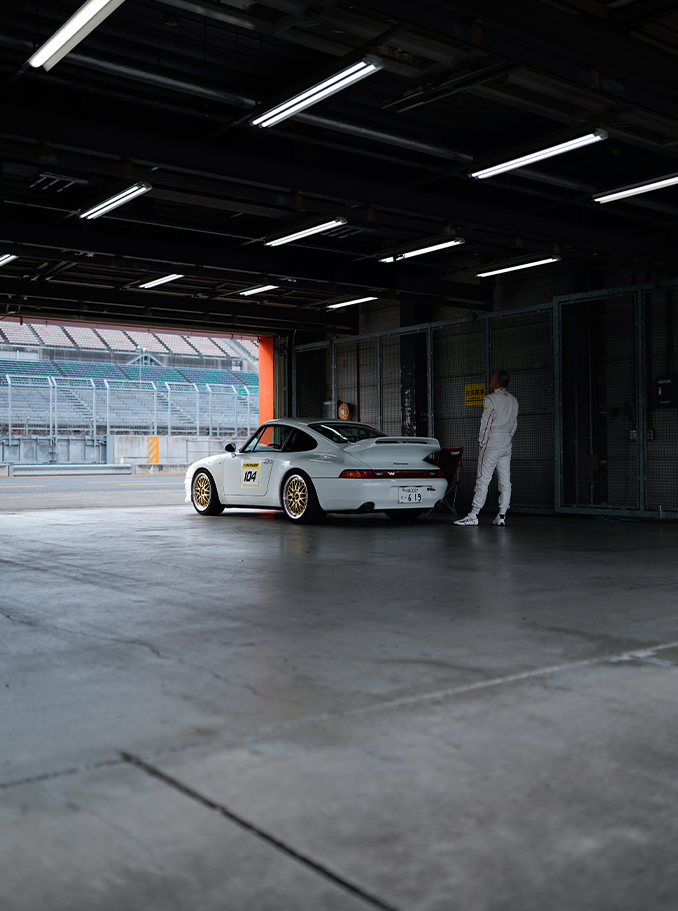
[230,447]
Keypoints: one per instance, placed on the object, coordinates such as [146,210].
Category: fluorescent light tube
[357,300]
[72,32]
[637,189]
[335,83]
[119,199]
[524,160]
[7,258]
[161,281]
[538,262]
[306,231]
[258,290]
[419,251]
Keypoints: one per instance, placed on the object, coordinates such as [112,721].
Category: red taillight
[386,473]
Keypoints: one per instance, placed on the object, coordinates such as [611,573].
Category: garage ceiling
[163,92]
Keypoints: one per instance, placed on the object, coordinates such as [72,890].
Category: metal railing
[62,406]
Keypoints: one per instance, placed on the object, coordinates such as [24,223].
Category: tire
[404,515]
[299,499]
[204,495]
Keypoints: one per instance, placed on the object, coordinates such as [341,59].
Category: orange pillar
[265,379]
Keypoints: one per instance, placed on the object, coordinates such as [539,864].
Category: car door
[247,473]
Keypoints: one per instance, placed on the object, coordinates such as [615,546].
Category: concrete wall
[174,450]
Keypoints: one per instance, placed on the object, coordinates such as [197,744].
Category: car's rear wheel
[204,495]
[299,499]
[404,515]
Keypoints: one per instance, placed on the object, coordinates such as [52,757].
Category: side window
[271,438]
[298,441]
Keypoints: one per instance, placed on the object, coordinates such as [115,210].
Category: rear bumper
[338,494]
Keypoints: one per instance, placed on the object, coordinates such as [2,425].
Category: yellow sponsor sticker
[250,474]
[474,393]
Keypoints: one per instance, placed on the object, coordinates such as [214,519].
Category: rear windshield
[343,432]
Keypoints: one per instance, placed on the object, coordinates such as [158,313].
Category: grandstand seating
[17,334]
[86,369]
[116,340]
[85,338]
[177,344]
[147,340]
[206,346]
[249,379]
[52,336]
[153,373]
[202,375]
[26,368]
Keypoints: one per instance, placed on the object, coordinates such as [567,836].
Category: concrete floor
[237,713]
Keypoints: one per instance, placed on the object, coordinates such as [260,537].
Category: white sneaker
[500,520]
[469,520]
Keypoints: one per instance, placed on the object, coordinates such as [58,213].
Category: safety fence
[593,374]
[53,407]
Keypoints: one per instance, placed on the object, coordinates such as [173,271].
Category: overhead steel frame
[641,295]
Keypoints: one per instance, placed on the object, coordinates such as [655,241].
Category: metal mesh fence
[348,378]
[661,324]
[368,382]
[522,346]
[392,414]
[458,387]
[599,403]
[310,382]
[27,405]
[75,406]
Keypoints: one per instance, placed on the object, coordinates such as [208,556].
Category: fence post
[108,408]
[169,410]
[9,406]
[235,410]
[56,408]
[94,408]
[209,405]
[197,410]
[155,409]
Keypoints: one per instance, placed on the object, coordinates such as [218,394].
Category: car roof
[304,422]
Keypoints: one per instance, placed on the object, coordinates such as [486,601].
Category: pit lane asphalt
[90,492]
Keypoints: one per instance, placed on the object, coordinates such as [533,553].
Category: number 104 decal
[250,474]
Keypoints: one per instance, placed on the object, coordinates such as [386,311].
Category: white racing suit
[498,424]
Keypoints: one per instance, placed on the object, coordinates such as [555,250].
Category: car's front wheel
[204,495]
[299,499]
[404,515]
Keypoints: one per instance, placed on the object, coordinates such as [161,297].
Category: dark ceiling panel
[161,91]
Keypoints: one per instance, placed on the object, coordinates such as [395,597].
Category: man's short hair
[503,378]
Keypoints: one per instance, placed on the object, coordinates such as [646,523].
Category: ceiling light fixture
[7,258]
[258,290]
[305,230]
[137,189]
[507,267]
[638,188]
[81,23]
[532,157]
[429,246]
[309,96]
[161,281]
[353,300]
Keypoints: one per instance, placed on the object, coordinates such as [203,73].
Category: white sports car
[308,467]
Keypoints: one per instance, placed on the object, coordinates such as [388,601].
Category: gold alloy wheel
[202,490]
[296,497]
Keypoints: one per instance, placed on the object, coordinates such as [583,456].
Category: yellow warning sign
[153,450]
[474,393]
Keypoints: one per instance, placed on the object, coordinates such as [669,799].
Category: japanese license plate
[409,494]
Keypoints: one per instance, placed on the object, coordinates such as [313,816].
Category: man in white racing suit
[497,426]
